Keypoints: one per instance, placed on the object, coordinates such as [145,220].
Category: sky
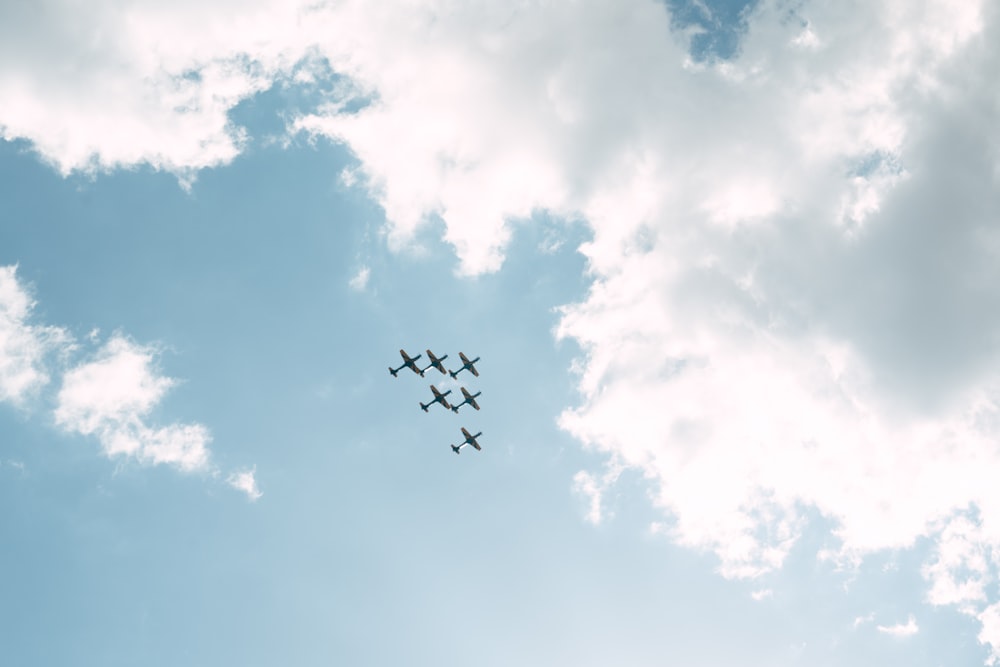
[730,269]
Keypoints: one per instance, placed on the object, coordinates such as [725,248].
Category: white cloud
[793,252]
[246,482]
[762,594]
[989,634]
[900,630]
[115,84]
[862,620]
[23,345]
[112,396]
[960,569]
[360,280]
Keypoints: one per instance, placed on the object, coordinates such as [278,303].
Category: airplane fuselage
[465,367]
[469,399]
[438,398]
[436,362]
[408,362]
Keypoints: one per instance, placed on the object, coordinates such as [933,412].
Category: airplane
[467,364]
[469,398]
[469,440]
[438,398]
[435,363]
[408,362]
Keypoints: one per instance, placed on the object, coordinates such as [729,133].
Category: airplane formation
[437,363]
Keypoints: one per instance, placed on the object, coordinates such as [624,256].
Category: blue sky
[730,269]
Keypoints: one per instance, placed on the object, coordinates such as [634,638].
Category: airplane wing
[437,394]
[465,359]
[467,435]
[465,392]
[473,403]
[476,445]
[473,370]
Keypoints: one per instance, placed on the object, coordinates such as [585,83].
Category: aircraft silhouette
[469,398]
[469,440]
[435,363]
[438,398]
[408,362]
[466,364]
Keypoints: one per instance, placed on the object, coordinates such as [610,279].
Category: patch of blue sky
[311,85]
[716,26]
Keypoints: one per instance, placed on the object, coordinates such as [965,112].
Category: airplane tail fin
[423,407]
[393,371]
[454,449]
[454,409]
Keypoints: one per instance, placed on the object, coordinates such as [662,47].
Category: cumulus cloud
[118,84]
[111,397]
[793,251]
[990,632]
[23,343]
[245,481]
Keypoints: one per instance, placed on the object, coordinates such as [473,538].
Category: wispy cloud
[592,488]
[245,481]
[360,280]
[900,630]
[863,620]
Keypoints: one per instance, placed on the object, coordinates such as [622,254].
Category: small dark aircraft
[469,440]
[438,398]
[466,365]
[408,362]
[469,398]
[435,363]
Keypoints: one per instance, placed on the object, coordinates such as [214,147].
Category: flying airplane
[408,362]
[435,363]
[438,398]
[469,440]
[469,398]
[466,364]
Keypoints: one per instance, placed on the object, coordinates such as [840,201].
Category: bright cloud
[23,344]
[111,397]
[794,251]
[246,482]
[119,84]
